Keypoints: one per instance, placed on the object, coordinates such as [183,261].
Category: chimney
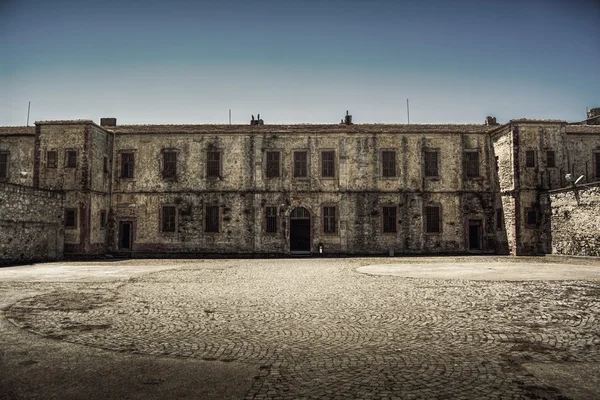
[593,116]
[490,121]
[348,119]
[108,122]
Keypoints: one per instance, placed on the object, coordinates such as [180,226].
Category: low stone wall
[31,224]
[575,223]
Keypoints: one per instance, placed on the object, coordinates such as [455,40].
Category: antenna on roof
[230,116]
[407,112]
[28,108]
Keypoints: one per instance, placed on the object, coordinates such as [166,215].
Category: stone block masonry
[31,224]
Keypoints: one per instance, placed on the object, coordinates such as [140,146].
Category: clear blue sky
[298,61]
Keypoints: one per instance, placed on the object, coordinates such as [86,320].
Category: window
[70,218]
[4,159]
[328,164]
[271,220]
[211,219]
[389,219]
[499,220]
[471,163]
[388,164]
[530,158]
[127,163]
[329,223]
[213,164]
[300,164]
[273,164]
[531,217]
[432,219]
[71,159]
[105,165]
[550,159]
[169,218]
[169,164]
[51,159]
[597,164]
[431,164]
[103,219]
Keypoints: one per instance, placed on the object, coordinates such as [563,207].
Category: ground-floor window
[329,222]
[71,218]
[432,219]
[211,219]
[169,215]
[389,219]
[271,220]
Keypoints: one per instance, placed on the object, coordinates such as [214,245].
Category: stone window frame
[267,169]
[74,225]
[209,169]
[122,154]
[162,220]
[53,165]
[528,213]
[553,158]
[219,219]
[68,154]
[530,158]
[437,152]
[333,161]
[307,164]
[267,225]
[381,162]
[103,219]
[596,163]
[382,222]
[328,228]
[165,174]
[6,172]
[426,224]
[467,169]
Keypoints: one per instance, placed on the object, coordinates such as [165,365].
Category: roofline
[74,122]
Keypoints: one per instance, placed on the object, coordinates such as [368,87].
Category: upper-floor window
[388,220]
[328,164]
[71,159]
[70,218]
[433,219]
[213,164]
[329,220]
[51,159]
[300,164]
[388,164]
[471,163]
[169,219]
[271,219]
[211,219]
[597,164]
[273,158]
[550,159]
[530,158]
[4,161]
[169,164]
[127,165]
[431,163]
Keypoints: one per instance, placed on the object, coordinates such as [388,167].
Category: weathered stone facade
[281,189]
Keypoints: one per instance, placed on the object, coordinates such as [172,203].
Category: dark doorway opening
[475,231]
[125,235]
[300,231]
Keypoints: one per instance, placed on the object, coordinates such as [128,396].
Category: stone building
[263,189]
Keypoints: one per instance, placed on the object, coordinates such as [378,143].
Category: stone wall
[31,224]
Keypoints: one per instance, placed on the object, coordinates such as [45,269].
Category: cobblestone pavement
[321,330]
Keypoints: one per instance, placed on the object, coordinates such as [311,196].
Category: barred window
[71,159]
[499,220]
[389,219]
[300,164]
[597,164]
[127,163]
[271,219]
[103,219]
[432,219]
[329,222]
[471,164]
[213,164]
[273,164]
[169,214]
[431,163]
[550,159]
[531,217]
[328,164]
[4,159]
[211,219]
[51,159]
[169,164]
[388,164]
[530,158]
[70,218]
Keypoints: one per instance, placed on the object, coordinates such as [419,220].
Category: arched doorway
[300,231]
